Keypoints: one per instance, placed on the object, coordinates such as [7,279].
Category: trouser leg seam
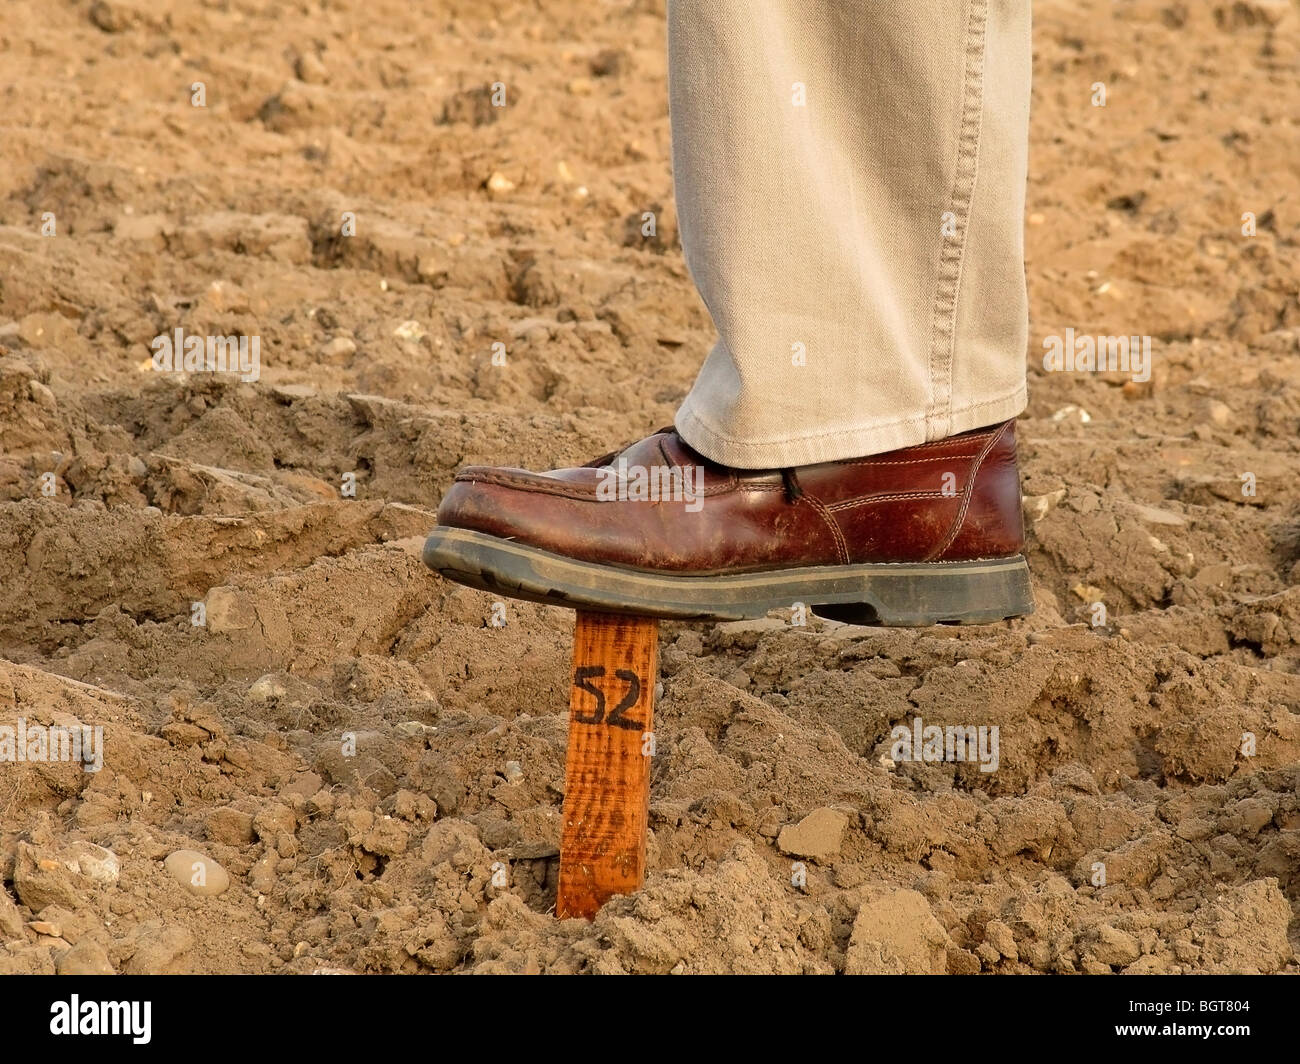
[952,250]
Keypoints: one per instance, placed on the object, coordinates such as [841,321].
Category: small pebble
[95,862]
[197,873]
[87,957]
[339,347]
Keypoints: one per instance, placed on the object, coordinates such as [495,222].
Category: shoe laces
[793,489]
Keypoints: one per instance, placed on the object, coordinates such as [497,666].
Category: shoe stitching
[867,500]
[840,545]
[569,491]
[947,440]
[909,461]
[516,484]
[969,494]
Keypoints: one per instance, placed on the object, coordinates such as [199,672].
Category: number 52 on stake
[607,767]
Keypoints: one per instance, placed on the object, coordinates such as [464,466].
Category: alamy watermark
[955,742]
[179,353]
[1098,354]
[77,1017]
[636,483]
[55,742]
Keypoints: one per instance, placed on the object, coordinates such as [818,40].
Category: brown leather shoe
[924,535]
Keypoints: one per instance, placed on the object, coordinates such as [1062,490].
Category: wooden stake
[607,767]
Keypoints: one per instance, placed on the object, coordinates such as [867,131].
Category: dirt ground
[1158,743]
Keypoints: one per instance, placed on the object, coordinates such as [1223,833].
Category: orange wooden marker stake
[607,767]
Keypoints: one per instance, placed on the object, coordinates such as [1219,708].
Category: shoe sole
[886,594]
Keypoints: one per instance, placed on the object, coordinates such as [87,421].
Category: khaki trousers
[850,179]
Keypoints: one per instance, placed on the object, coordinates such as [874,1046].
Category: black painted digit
[629,700]
[582,677]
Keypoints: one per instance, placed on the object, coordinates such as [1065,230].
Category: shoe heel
[958,593]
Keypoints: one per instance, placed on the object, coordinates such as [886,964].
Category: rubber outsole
[884,594]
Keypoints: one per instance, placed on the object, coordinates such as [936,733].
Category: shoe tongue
[644,451]
[679,451]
